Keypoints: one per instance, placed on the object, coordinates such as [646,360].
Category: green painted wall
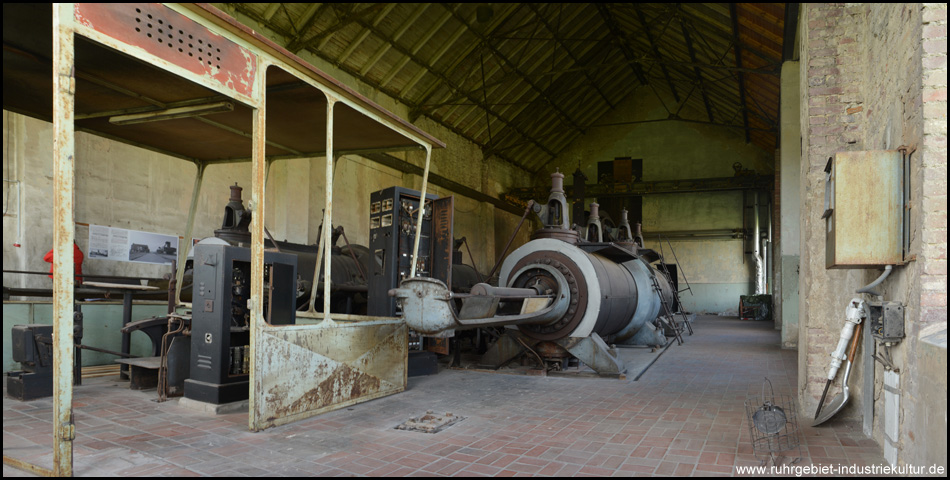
[101,323]
[669,149]
[714,297]
[717,269]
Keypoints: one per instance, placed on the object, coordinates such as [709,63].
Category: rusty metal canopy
[110,83]
[525,80]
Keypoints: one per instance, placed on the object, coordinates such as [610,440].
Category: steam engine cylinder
[613,299]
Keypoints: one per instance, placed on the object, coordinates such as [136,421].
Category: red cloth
[77,259]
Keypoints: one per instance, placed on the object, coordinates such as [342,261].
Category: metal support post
[256,207]
[328,215]
[64,168]
[422,209]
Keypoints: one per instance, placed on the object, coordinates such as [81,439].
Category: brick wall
[833,120]
[874,78]
[933,254]
[932,257]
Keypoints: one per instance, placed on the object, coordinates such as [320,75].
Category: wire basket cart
[773,426]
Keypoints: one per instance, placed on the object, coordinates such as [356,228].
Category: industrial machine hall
[474,239]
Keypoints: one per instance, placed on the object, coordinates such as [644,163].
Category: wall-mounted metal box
[887,321]
[864,209]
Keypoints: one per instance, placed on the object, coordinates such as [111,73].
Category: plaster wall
[717,270]
[117,185]
[485,227]
[101,324]
[789,236]
[873,78]
[123,186]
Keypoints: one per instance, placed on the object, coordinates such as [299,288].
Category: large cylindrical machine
[563,293]
[612,297]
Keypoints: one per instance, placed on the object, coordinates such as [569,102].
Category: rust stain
[344,383]
[865,227]
[298,379]
[167,34]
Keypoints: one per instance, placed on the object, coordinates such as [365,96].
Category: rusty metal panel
[308,370]
[864,209]
[171,36]
[443,239]
[437,345]
[256,205]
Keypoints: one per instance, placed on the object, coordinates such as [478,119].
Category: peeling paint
[306,371]
[171,36]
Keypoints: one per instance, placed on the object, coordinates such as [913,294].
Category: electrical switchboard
[393,220]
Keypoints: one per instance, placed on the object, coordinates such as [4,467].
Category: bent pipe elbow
[869,288]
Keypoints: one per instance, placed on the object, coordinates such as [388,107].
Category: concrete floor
[685,416]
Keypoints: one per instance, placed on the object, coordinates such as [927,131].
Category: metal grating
[430,422]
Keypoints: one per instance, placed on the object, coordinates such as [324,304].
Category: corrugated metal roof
[526,80]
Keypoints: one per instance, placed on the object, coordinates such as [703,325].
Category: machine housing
[221,317]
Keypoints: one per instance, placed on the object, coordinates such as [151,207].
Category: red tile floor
[685,416]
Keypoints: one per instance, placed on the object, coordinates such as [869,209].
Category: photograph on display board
[148,247]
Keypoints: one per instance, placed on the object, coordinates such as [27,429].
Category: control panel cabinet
[220,324]
[393,218]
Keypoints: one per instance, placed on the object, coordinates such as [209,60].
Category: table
[127,292]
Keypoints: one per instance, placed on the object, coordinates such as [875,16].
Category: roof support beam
[547,25]
[497,21]
[696,12]
[306,20]
[438,180]
[524,77]
[742,100]
[656,51]
[680,119]
[773,71]
[614,28]
[412,56]
[415,48]
[349,70]
[435,58]
[535,61]
[396,36]
[342,23]
[566,86]
[270,11]
[699,74]
[355,43]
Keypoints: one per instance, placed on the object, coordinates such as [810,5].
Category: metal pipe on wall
[770,260]
[756,247]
